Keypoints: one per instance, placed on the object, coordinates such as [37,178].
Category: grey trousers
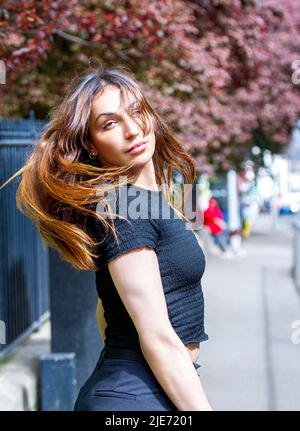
[123,381]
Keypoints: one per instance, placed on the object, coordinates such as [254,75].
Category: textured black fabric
[181,262]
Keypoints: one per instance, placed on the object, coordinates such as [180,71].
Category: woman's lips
[138,149]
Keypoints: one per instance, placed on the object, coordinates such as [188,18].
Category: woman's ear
[88,145]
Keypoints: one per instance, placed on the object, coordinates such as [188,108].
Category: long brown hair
[60,182]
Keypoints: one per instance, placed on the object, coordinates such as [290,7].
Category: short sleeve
[132,232]
[138,233]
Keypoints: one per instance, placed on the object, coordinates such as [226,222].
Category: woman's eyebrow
[114,113]
[104,113]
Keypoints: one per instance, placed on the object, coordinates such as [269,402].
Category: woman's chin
[140,160]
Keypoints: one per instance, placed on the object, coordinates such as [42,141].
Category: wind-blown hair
[60,183]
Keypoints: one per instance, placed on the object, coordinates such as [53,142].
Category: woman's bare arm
[136,276]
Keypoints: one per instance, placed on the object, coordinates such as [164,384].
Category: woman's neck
[146,178]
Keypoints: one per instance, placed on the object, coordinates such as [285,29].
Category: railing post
[73,300]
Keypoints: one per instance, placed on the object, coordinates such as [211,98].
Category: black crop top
[181,262]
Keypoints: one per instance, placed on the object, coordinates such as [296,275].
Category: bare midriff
[193,350]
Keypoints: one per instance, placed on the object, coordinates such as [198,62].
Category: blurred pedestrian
[213,219]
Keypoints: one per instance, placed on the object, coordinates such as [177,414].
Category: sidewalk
[20,372]
[250,362]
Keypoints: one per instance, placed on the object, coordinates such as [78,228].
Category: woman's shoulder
[132,222]
[128,207]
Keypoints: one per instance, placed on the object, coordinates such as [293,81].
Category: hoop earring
[92,155]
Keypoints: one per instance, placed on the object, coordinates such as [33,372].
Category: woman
[148,269]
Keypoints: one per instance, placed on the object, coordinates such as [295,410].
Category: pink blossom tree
[220,72]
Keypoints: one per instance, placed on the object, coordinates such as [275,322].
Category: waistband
[122,353]
[109,352]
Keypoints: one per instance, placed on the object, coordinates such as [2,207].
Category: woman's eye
[106,125]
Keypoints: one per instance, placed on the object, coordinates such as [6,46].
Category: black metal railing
[24,273]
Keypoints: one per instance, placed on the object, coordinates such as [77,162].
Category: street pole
[234,220]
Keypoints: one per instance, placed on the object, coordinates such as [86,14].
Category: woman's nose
[131,128]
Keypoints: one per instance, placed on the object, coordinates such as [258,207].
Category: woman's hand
[220,222]
[100,319]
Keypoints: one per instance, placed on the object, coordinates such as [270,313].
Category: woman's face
[114,128]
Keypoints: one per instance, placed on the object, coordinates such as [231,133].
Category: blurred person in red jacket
[213,219]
